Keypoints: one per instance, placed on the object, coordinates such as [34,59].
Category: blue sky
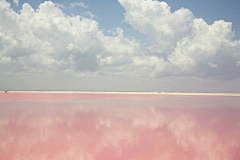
[120,45]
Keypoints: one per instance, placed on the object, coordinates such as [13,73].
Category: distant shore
[151,93]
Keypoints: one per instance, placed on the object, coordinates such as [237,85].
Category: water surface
[97,126]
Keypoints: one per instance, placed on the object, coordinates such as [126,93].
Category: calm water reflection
[120,127]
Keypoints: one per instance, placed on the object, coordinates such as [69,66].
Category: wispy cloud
[79,4]
[89,14]
[16,2]
[59,5]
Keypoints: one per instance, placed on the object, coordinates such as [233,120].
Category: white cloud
[59,5]
[47,40]
[5,60]
[79,4]
[16,2]
[188,45]
[89,14]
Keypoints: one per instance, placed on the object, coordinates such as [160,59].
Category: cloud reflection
[121,128]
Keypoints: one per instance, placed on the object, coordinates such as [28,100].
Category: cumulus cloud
[46,39]
[183,44]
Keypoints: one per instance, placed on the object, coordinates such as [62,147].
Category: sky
[120,45]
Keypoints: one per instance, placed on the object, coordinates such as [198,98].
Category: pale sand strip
[147,93]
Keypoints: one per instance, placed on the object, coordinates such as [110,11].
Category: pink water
[80,126]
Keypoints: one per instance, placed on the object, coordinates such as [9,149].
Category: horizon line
[129,92]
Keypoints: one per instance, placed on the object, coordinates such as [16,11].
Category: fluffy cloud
[48,40]
[183,44]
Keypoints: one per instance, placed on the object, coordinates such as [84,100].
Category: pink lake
[105,126]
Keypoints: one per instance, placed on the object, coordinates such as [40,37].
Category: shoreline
[137,93]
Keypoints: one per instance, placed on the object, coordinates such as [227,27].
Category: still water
[85,126]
